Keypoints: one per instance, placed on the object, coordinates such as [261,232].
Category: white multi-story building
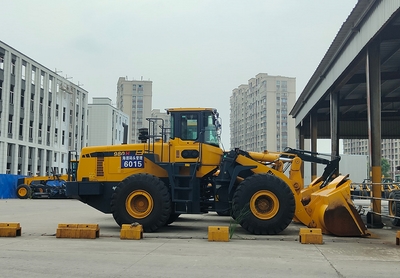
[134,98]
[42,116]
[390,150]
[106,123]
[259,116]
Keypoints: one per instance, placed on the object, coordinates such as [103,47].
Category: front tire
[141,198]
[263,204]
[24,191]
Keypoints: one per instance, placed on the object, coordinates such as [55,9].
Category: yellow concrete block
[131,231]
[78,231]
[310,235]
[218,233]
[398,238]
[10,229]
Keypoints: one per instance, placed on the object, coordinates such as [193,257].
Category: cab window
[210,131]
[189,123]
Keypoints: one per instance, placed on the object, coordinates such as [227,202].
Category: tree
[385,167]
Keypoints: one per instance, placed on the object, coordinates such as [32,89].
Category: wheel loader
[155,181]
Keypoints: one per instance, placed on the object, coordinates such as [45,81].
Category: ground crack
[337,271]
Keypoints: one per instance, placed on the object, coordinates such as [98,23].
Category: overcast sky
[195,52]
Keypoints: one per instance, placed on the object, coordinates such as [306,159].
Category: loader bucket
[332,210]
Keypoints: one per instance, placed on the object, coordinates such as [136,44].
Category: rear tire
[141,198]
[394,207]
[24,191]
[263,204]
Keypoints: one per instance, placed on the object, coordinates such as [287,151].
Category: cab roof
[190,109]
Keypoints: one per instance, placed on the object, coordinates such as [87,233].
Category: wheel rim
[139,204]
[264,204]
[22,192]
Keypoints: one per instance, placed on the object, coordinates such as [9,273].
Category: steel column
[373,82]
[314,136]
[300,136]
[334,119]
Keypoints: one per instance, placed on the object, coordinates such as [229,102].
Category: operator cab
[195,124]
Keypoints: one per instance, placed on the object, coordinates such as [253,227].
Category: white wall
[354,165]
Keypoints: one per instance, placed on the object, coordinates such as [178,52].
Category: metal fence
[363,191]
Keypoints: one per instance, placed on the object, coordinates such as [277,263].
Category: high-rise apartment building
[134,98]
[42,116]
[390,150]
[106,123]
[259,114]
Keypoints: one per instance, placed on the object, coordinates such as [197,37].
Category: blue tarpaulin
[8,185]
[55,183]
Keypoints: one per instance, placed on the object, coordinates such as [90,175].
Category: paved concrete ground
[180,250]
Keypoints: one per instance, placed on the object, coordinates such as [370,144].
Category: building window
[32,102]
[33,76]
[23,71]
[40,132]
[10,119]
[13,66]
[49,109]
[1,90]
[42,80]
[11,94]
[284,86]
[64,114]
[21,126]
[30,129]
[20,151]
[63,138]
[9,149]
[48,134]
[50,83]
[22,98]
[2,61]
[57,110]
[41,106]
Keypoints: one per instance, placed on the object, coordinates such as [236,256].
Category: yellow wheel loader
[155,181]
